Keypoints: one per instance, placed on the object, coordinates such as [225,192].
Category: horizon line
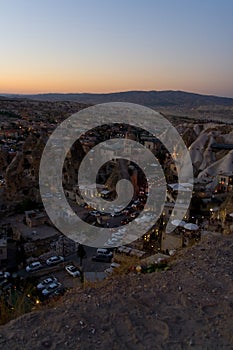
[109,93]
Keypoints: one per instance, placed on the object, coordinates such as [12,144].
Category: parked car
[5,285]
[134,214]
[117,213]
[51,288]
[126,212]
[58,292]
[102,257]
[3,282]
[109,243]
[95,213]
[125,221]
[104,251]
[36,265]
[73,270]
[54,260]
[113,241]
[119,233]
[46,282]
[112,267]
[4,275]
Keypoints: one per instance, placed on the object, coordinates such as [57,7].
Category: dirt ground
[187,307]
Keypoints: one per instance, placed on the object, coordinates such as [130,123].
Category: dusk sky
[116,45]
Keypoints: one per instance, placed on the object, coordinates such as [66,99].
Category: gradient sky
[116,45]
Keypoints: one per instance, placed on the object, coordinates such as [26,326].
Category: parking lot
[58,271]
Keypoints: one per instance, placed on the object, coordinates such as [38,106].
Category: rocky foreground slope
[188,307]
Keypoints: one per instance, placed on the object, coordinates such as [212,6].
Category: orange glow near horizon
[32,76]
[50,82]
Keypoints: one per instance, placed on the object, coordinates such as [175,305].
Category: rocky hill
[210,146]
[188,307]
[170,102]
[149,98]
[22,175]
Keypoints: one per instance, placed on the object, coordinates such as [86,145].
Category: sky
[116,45]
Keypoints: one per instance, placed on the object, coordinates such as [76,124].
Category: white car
[118,235]
[4,275]
[115,239]
[36,265]
[54,260]
[51,288]
[46,282]
[95,213]
[109,243]
[112,267]
[73,270]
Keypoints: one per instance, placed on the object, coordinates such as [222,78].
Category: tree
[81,253]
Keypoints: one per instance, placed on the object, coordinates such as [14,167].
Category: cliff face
[188,307]
[22,175]
[208,161]
[71,165]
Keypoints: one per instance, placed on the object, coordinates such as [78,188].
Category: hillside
[150,98]
[188,307]
[171,103]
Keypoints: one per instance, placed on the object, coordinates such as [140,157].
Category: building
[181,211]
[65,246]
[225,182]
[35,218]
[151,142]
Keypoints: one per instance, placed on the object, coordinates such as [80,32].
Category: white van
[103,251]
[103,254]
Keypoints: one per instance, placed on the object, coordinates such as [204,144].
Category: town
[39,262]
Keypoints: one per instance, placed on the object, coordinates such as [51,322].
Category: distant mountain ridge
[167,98]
